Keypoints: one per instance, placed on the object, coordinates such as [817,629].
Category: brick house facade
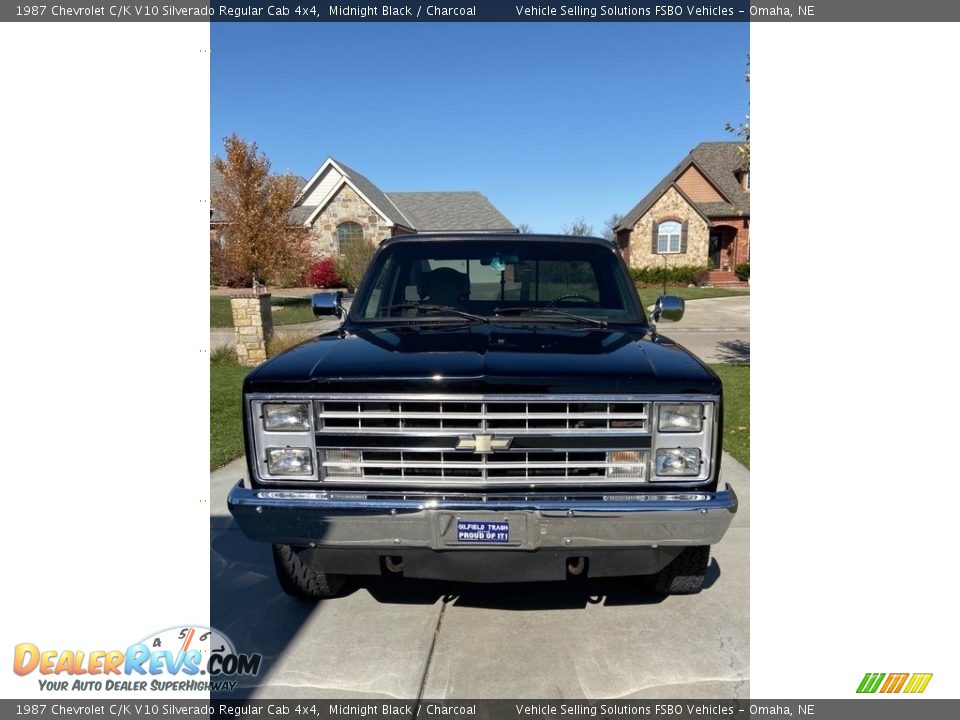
[699,214]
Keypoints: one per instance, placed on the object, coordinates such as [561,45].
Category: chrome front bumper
[626,520]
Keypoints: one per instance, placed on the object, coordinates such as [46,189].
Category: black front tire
[685,573]
[301,581]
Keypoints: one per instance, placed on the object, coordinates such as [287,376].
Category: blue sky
[550,120]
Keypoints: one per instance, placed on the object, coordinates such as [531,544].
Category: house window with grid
[348,233]
[668,237]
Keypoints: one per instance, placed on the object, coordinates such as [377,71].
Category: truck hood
[487,359]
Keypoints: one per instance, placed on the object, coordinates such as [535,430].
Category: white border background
[854,366]
[105,421]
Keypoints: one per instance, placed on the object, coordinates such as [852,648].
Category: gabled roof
[719,163]
[370,193]
[450,211]
[417,211]
[375,195]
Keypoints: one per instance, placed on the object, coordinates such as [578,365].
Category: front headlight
[289,461]
[286,417]
[680,418]
[678,462]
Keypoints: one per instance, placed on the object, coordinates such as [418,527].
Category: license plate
[484,532]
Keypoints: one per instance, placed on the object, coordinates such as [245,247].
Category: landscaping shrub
[323,274]
[677,275]
[353,261]
[742,271]
[700,277]
[223,355]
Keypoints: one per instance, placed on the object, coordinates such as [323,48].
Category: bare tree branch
[579,227]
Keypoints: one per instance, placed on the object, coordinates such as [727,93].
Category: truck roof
[495,237]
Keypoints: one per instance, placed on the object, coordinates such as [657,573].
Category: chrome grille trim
[516,415]
[512,469]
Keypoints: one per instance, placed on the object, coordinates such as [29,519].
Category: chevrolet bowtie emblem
[484,443]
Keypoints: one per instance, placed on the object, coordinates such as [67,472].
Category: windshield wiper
[437,309]
[548,311]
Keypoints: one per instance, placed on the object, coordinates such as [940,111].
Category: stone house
[338,206]
[699,214]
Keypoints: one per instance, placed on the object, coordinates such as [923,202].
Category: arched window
[668,237]
[348,233]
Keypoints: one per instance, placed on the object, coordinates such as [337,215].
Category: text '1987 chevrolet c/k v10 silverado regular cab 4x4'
[493,408]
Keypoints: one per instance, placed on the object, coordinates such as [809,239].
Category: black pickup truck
[492,408]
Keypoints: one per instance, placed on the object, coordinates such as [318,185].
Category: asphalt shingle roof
[300,213]
[719,161]
[376,196]
[450,211]
[419,211]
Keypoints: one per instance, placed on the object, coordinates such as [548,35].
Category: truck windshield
[512,281]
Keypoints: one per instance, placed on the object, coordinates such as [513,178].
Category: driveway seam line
[426,667]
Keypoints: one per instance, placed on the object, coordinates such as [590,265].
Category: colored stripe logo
[913,683]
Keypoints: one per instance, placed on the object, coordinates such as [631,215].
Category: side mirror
[668,307]
[327,304]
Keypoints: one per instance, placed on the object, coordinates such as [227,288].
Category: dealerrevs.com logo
[911,683]
[184,659]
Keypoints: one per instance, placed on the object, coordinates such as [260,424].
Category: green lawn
[736,410]
[286,311]
[226,426]
[649,295]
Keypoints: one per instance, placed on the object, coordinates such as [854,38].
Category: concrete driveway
[225,336]
[716,329]
[405,639]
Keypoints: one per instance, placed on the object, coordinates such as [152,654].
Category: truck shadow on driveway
[563,595]
[243,584]
[246,603]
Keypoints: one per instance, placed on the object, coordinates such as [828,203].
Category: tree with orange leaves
[260,242]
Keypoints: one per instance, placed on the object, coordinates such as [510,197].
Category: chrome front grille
[463,418]
[577,417]
[410,468]
[467,442]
